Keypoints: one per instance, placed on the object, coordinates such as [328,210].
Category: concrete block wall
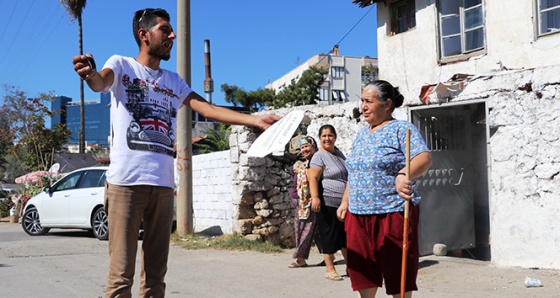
[212,200]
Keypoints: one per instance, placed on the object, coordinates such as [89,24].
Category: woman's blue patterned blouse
[373,163]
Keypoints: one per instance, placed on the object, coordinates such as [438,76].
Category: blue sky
[252,42]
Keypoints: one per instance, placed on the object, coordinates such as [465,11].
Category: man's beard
[160,52]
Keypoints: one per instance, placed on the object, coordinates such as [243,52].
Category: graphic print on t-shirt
[151,128]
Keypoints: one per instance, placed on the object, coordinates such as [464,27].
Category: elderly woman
[374,200]
[327,181]
[305,221]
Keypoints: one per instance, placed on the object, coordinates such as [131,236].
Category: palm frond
[366,3]
[74,7]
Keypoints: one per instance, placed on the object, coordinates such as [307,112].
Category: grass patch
[224,242]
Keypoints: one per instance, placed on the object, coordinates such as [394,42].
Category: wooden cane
[405,223]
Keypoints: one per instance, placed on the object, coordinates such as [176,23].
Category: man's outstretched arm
[224,115]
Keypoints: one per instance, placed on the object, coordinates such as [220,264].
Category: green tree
[304,91]
[231,93]
[258,98]
[25,137]
[75,9]
[216,140]
[368,72]
[253,100]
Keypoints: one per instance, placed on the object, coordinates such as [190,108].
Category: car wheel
[31,223]
[99,224]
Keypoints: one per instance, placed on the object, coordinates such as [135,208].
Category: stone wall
[262,186]
[524,117]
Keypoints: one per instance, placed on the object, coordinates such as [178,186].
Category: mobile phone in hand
[91,62]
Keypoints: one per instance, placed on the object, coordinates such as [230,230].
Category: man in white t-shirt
[144,103]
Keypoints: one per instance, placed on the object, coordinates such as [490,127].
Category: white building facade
[479,81]
[440,38]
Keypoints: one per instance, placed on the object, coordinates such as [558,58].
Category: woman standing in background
[327,181]
[305,220]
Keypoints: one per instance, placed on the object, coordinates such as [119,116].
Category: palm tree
[75,9]
[215,140]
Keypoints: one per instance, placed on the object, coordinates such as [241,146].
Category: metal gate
[447,209]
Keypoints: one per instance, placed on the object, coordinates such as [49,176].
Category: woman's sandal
[297,265]
[333,276]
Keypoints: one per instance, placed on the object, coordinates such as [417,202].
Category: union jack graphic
[155,125]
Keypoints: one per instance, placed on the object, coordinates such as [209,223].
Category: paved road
[68,263]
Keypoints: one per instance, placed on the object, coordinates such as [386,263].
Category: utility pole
[184,124]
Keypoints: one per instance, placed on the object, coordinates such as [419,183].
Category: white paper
[275,138]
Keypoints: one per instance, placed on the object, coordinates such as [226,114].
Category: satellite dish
[54,168]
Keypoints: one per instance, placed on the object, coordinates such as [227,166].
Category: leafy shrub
[5,203]
[5,206]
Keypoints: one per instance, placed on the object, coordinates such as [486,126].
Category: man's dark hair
[147,18]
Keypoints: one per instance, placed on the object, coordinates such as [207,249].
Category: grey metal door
[447,206]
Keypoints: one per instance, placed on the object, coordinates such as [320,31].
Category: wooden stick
[405,223]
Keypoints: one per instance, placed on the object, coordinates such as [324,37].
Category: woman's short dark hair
[147,19]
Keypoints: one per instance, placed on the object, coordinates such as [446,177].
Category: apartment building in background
[344,81]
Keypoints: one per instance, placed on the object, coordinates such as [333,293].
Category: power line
[17,33]
[9,20]
[347,33]
[38,39]
[42,22]
[355,25]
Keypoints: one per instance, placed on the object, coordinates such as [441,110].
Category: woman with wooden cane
[373,204]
